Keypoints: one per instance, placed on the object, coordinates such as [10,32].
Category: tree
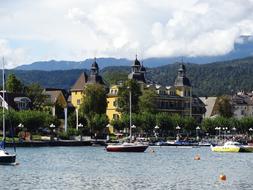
[224,106]
[165,123]
[98,123]
[94,103]
[147,101]
[35,93]
[14,85]
[246,123]
[124,93]
[32,120]
[148,122]
[208,125]
[94,100]
[189,124]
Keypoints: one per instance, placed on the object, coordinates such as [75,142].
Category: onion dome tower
[138,72]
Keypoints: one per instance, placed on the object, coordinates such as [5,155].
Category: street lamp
[197,134]
[234,129]
[52,127]
[225,131]
[156,129]
[250,131]
[79,125]
[218,129]
[21,126]
[108,131]
[178,128]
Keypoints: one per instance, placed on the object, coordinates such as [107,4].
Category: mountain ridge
[211,79]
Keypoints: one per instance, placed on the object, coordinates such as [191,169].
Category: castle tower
[184,89]
[94,77]
[138,71]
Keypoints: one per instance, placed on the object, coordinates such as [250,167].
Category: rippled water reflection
[94,168]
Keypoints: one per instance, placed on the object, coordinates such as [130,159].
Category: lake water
[94,168]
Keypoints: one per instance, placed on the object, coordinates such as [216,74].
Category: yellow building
[77,89]
[112,103]
[177,99]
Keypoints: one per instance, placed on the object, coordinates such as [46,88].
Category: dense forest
[210,79]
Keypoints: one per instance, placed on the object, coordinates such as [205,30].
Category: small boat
[248,148]
[5,157]
[127,147]
[232,146]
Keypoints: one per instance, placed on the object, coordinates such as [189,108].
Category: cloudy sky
[78,29]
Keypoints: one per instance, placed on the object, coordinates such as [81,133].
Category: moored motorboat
[127,147]
[232,146]
[248,148]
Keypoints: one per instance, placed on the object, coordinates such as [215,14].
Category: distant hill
[240,50]
[70,65]
[210,79]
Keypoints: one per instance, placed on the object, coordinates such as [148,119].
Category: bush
[33,121]
[63,135]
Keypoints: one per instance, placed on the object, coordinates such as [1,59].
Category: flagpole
[3,104]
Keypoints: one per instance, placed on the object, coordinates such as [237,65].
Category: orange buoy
[197,157]
[223,177]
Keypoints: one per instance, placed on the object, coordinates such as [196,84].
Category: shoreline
[56,143]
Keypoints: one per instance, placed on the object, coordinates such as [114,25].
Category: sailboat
[5,157]
[128,146]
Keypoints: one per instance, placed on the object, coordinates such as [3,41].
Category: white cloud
[78,29]
[13,57]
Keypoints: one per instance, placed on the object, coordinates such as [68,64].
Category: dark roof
[95,79]
[243,99]
[94,65]
[136,62]
[53,95]
[138,72]
[182,81]
[80,83]
[196,101]
[139,77]
[143,69]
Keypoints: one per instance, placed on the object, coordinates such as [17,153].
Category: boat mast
[3,104]
[130,113]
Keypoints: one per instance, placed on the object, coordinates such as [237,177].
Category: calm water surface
[94,168]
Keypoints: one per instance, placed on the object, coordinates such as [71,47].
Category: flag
[3,103]
[2,144]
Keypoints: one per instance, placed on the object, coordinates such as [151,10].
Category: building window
[115,116]
[242,112]
[75,93]
[78,102]
[115,103]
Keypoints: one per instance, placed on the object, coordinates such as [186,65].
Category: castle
[175,99]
